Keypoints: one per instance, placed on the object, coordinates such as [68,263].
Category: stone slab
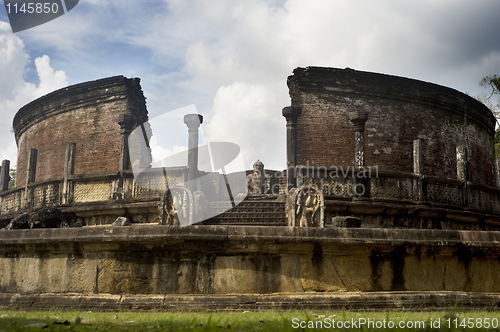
[416,301]
[137,234]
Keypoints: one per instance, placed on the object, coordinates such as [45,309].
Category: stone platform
[373,301]
[247,267]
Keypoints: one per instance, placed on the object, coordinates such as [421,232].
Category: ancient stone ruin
[392,151]
[390,198]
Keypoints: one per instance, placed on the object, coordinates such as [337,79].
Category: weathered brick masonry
[399,110]
[87,114]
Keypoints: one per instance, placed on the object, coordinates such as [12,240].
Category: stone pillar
[126,122]
[461,163]
[418,186]
[31,172]
[193,121]
[69,169]
[462,176]
[4,175]
[497,172]
[291,113]
[30,177]
[358,119]
[417,157]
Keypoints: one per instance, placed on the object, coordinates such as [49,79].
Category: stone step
[250,215]
[248,222]
[247,208]
[272,204]
[239,222]
[249,212]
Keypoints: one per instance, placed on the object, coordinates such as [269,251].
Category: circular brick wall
[399,110]
[86,114]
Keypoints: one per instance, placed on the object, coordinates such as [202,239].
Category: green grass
[241,321]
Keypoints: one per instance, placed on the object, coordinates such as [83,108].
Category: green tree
[12,182]
[493,83]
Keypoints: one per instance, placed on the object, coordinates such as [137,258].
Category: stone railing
[377,186]
[104,187]
[114,187]
[347,183]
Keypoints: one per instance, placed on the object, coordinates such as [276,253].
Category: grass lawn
[452,320]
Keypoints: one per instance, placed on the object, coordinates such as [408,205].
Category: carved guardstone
[306,207]
[167,210]
[176,207]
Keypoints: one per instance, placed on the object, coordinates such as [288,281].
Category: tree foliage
[12,182]
[493,82]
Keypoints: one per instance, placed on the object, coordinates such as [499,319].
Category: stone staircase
[266,211]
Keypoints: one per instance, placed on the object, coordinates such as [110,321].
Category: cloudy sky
[231,58]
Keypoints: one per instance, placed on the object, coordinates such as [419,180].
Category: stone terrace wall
[400,110]
[246,260]
[87,114]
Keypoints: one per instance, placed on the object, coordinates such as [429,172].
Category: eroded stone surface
[230,260]
[346,221]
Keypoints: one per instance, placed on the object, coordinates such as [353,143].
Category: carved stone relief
[305,207]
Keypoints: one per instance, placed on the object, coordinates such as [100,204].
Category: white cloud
[12,62]
[49,80]
[159,153]
[232,58]
[15,91]
[245,114]
[250,48]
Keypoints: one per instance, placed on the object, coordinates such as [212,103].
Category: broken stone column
[193,121]
[418,188]
[291,113]
[69,169]
[4,175]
